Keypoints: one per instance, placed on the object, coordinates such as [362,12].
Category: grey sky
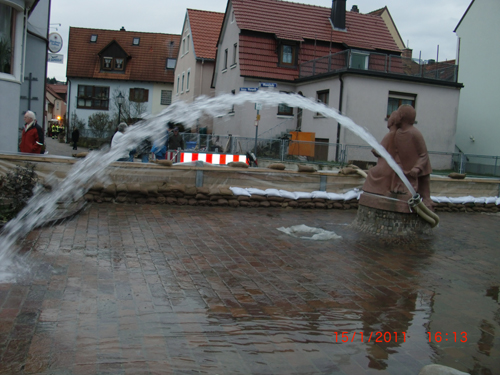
[425,24]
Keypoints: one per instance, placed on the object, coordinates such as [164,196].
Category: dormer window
[113,58]
[171,63]
[93,38]
[107,63]
[288,53]
[119,64]
[136,41]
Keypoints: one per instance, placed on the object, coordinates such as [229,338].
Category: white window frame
[178,83]
[182,82]
[187,79]
[18,32]
[359,53]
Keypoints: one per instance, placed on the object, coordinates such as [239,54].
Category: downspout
[201,76]
[68,106]
[25,37]
[341,95]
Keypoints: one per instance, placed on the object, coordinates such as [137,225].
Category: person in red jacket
[32,136]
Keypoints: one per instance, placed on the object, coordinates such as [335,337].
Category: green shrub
[16,188]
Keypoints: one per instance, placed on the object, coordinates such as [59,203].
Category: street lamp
[120,99]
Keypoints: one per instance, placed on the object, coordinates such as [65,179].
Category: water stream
[92,168]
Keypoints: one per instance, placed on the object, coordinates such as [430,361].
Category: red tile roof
[50,88]
[312,22]
[147,62]
[205,30]
[59,89]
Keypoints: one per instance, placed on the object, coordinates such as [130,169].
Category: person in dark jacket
[175,140]
[32,136]
[75,136]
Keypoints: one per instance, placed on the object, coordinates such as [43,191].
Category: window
[138,95]
[107,63]
[235,48]
[178,83]
[110,63]
[183,46]
[93,38]
[136,41]
[359,60]
[171,63]
[187,80]
[322,97]
[6,37]
[187,43]
[397,99]
[283,109]
[166,97]
[182,84]
[225,59]
[93,97]
[119,64]
[287,56]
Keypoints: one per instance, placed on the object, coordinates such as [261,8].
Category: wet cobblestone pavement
[129,289]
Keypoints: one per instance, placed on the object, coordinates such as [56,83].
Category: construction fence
[332,154]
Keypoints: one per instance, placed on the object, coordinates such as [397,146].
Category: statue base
[389,223]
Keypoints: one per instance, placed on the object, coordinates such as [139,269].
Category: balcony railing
[378,62]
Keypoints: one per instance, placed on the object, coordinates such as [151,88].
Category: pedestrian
[117,142]
[75,136]
[32,137]
[175,140]
[144,149]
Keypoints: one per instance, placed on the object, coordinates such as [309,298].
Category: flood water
[157,289]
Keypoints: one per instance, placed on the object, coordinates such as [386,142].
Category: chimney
[355,9]
[123,29]
[337,16]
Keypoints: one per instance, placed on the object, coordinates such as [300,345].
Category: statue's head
[407,113]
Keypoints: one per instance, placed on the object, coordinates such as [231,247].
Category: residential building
[104,63]
[348,60]
[478,130]
[196,59]
[23,65]
[55,105]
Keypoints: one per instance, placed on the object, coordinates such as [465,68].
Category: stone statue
[410,152]
[406,145]
[379,179]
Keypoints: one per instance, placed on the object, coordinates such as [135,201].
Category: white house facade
[363,84]
[21,54]
[478,127]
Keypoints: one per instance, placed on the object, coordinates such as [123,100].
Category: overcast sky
[422,24]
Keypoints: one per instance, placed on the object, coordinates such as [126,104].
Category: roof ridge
[123,31]
[297,3]
[205,11]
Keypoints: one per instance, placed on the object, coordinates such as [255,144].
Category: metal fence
[325,153]
[378,62]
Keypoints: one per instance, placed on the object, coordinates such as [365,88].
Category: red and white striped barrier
[187,157]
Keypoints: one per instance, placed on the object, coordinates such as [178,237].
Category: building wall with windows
[185,70]
[478,127]
[162,97]
[86,97]
[12,69]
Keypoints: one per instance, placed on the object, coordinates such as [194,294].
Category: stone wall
[175,194]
